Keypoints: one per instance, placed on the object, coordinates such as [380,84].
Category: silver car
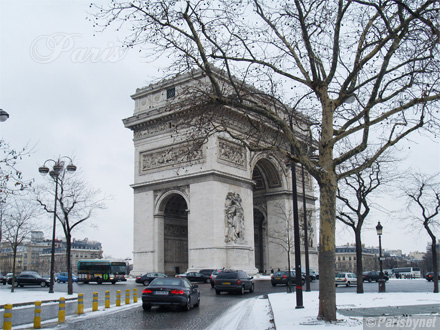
[346,279]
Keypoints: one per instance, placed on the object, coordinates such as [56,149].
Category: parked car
[282,277]
[346,279]
[313,275]
[206,273]
[429,276]
[148,277]
[194,277]
[233,281]
[29,279]
[63,277]
[3,279]
[213,276]
[169,291]
[373,276]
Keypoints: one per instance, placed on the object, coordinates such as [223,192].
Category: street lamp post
[298,277]
[306,236]
[381,277]
[57,168]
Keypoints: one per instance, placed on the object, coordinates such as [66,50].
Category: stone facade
[208,203]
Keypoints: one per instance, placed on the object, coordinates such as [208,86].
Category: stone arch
[270,184]
[172,207]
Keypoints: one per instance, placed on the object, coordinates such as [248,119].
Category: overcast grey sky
[67,92]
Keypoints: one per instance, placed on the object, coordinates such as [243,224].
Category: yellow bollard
[80,303]
[95,302]
[135,295]
[37,315]
[127,296]
[118,298]
[7,317]
[107,299]
[62,310]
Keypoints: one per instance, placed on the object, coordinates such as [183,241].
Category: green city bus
[100,271]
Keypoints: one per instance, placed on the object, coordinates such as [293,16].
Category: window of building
[171,92]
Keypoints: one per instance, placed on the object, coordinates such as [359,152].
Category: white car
[346,279]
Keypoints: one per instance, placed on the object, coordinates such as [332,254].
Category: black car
[194,277]
[29,279]
[233,281]
[373,276]
[206,273]
[282,277]
[429,276]
[148,277]
[171,292]
[3,279]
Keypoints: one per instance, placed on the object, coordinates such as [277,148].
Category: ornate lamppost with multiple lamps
[57,169]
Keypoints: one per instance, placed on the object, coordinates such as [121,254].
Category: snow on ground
[287,317]
[21,296]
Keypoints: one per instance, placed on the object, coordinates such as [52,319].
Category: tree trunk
[434,262]
[69,266]
[327,289]
[359,265]
[14,258]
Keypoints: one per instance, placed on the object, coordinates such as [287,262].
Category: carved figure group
[234,218]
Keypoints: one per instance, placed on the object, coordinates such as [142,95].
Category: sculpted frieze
[170,156]
[231,153]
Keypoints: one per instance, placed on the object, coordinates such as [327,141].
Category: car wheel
[58,281]
[187,306]
[252,288]
[242,290]
[212,285]
[146,307]
[113,282]
[16,284]
[348,284]
[336,285]
[43,284]
[146,282]
[217,292]
[274,284]
[370,279]
[99,281]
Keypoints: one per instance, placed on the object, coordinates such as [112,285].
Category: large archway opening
[175,235]
[266,180]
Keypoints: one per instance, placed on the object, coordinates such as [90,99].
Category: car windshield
[166,281]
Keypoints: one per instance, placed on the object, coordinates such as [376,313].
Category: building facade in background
[35,254]
[208,203]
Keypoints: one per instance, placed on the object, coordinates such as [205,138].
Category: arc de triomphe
[214,206]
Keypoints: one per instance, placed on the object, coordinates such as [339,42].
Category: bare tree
[364,71]
[18,225]
[283,236]
[423,192]
[354,193]
[11,178]
[76,203]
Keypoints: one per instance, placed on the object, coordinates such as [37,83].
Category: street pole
[306,236]
[381,277]
[52,255]
[298,277]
